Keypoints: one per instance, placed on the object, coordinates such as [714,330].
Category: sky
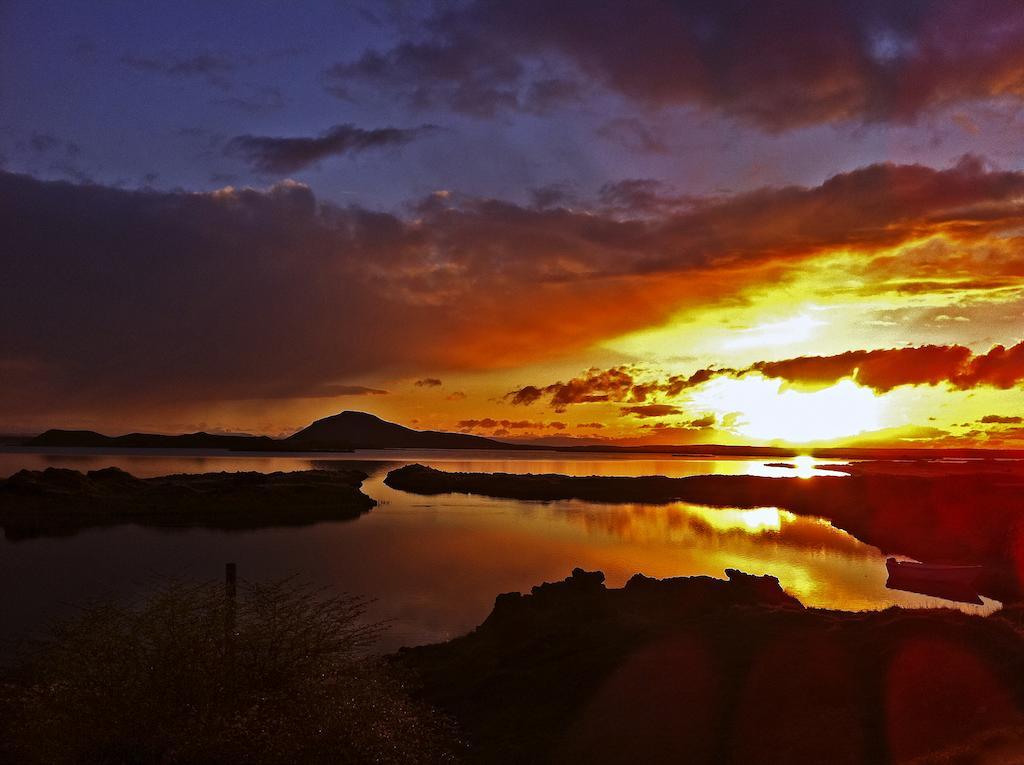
[654,221]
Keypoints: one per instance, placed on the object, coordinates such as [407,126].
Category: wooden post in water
[230,591]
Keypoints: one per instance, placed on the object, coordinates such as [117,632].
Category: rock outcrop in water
[58,502]
[699,670]
[967,514]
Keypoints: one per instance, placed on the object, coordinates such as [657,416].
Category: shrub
[281,674]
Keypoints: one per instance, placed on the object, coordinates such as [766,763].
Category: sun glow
[759,408]
[804,466]
[795,329]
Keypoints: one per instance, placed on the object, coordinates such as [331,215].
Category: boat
[940,580]
[932,572]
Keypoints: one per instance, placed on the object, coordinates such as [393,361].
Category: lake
[433,565]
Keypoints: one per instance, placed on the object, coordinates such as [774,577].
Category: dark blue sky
[134,94]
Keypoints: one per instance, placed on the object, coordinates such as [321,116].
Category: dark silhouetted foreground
[699,671]
[170,681]
[694,670]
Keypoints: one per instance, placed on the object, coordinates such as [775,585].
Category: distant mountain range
[340,432]
[359,430]
[89,438]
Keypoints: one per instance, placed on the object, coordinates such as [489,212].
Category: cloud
[633,134]
[258,100]
[552,195]
[315,390]
[42,142]
[428,382]
[883,370]
[590,426]
[45,143]
[676,384]
[595,385]
[876,207]
[639,196]
[210,66]
[116,301]
[488,423]
[703,422]
[617,384]
[164,286]
[651,410]
[279,156]
[999,419]
[776,65]
[668,433]
[457,395]
[349,390]
[525,396]
[460,71]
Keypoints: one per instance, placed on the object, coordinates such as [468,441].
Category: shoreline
[62,502]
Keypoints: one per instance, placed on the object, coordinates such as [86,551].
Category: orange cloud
[488,423]
[886,369]
[165,284]
[651,410]
[882,370]
[595,385]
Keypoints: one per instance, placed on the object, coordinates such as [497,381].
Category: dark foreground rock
[698,670]
[58,501]
[938,513]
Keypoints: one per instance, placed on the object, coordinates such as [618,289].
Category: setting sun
[764,409]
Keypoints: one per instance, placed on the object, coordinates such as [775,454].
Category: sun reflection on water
[804,466]
[822,565]
[755,519]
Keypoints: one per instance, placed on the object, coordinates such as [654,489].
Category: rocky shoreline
[700,670]
[58,502]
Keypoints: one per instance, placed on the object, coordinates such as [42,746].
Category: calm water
[435,564]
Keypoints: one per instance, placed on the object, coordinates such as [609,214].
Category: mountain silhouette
[89,438]
[359,430]
[340,432]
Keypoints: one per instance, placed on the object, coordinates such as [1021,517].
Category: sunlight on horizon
[765,409]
